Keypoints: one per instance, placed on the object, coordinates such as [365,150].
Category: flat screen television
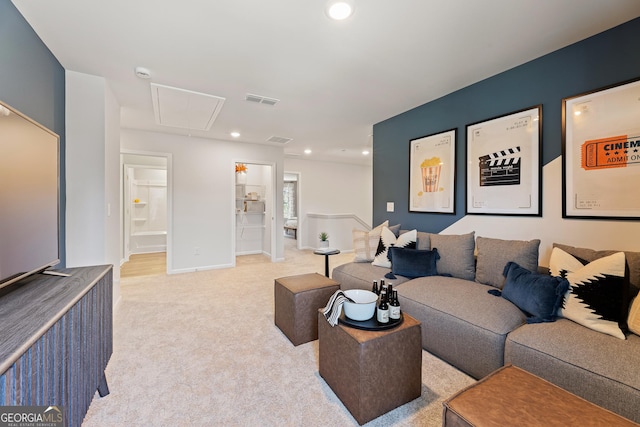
[29,196]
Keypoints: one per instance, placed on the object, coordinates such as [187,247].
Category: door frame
[124,192]
[272,200]
[298,206]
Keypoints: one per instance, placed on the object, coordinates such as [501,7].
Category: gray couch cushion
[456,254]
[358,275]
[494,254]
[598,367]
[461,322]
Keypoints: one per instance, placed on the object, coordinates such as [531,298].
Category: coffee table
[371,372]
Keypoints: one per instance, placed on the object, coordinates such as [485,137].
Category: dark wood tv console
[56,337]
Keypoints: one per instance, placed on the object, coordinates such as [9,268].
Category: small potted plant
[324,239]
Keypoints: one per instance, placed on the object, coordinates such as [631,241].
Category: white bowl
[364,306]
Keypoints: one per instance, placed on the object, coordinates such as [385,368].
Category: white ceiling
[333,80]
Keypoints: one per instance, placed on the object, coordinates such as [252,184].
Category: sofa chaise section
[595,366]
[461,322]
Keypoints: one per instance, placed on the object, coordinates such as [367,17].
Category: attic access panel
[183,108]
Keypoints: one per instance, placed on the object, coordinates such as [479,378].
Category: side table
[297,300]
[326,253]
[371,372]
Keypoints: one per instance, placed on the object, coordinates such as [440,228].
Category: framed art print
[601,153]
[432,172]
[503,165]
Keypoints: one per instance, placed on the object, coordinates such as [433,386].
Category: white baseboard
[202,268]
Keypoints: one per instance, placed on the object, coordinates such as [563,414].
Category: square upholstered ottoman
[297,300]
[371,372]
[512,396]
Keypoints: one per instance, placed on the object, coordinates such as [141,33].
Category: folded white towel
[334,307]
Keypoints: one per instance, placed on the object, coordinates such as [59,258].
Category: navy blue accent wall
[604,59]
[33,82]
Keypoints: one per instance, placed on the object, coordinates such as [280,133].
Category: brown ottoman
[512,396]
[297,300]
[371,372]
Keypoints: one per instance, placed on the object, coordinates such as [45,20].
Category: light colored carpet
[201,349]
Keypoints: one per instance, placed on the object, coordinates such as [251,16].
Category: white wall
[92,173]
[551,228]
[203,176]
[330,188]
[112,200]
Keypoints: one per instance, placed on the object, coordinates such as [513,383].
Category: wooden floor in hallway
[156,263]
[145,265]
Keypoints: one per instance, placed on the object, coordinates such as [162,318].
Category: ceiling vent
[279,139]
[258,99]
[183,108]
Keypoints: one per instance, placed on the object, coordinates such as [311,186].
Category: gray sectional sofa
[478,332]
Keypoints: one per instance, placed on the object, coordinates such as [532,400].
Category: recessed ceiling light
[307,151]
[365,152]
[339,10]
[235,134]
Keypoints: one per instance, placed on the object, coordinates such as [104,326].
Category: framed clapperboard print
[503,164]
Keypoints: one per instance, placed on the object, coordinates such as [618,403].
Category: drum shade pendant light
[339,10]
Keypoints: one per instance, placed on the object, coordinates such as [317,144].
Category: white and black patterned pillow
[388,239]
[596,295]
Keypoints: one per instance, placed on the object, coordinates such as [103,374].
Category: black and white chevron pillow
[596,295]
[388,239]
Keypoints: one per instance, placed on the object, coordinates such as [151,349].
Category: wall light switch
[390,206]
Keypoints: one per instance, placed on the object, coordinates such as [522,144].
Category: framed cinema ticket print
[432,173]
[601,153]
[503,164]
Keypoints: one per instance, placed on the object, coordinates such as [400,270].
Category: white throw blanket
[334,307]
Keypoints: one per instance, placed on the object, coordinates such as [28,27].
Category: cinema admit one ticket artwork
[602,146]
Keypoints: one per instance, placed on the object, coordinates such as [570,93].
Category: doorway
[291,207]
[254,209]
[146,200]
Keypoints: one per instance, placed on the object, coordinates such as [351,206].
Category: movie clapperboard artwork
[500,168]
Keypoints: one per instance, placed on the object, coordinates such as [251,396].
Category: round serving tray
[371,324]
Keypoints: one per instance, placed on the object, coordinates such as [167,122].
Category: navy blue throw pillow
[413,263]
[538,295]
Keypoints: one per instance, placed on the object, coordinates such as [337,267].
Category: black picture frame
[503,164]
[601,153]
